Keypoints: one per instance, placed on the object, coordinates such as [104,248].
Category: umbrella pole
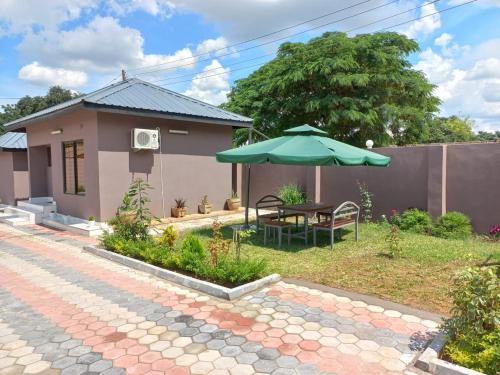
[247,203]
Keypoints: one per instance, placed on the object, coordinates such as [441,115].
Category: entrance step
[43,205]
[17,216]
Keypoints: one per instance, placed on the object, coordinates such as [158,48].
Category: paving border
[187,281]
[429,360]
[387,305]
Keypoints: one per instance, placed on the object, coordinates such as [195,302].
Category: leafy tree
[355,88]
[31,104]
[487,136]
[450,129]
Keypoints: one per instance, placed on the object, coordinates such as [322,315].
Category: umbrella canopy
[303,145]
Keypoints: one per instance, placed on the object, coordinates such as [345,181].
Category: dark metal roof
[137,95]
[13,141]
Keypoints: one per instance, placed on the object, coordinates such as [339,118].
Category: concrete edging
[429,360]
[187,281]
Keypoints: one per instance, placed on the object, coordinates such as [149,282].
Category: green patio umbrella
[302,145]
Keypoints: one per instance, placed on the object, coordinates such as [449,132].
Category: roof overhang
[164,115]
[126,111]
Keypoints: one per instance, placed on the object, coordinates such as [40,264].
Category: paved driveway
[64,311]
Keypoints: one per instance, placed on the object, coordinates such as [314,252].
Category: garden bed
[220,291]
[431,360]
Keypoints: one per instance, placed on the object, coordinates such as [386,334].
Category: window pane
[69,168]
[80,168]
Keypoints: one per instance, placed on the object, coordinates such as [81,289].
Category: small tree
[217,245]
[393,239]
[366,202]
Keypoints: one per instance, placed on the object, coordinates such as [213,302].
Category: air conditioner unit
[145,139]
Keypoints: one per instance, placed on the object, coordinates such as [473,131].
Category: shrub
[416,220]
[453,225]
[292,194]
[168,238]
[480,353]
[476,301]
[192,255]
[366,202]
[474,327]
[393,239]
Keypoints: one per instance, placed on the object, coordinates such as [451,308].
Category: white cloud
[103,46]
[242,19]
[211,86]
[443,40]
[425,25]
[160,8]
[44,76]
[20,16]
[468,84]
[485,69]
[213,45]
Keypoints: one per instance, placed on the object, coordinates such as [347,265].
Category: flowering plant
[495,232]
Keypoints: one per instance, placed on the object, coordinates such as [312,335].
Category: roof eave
[20,123]
[164,115]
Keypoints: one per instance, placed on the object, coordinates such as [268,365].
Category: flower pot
[233,204]
[205,208]
[178,212]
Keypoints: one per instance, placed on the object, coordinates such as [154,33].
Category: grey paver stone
[89,358]
[101,365]
[268,353]
[64,362]
[230,351]
[265,365]
[77,369]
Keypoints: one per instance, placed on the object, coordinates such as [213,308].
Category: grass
[421,277]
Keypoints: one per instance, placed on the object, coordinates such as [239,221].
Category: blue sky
[186,44]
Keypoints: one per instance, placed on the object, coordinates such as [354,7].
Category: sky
[200,47]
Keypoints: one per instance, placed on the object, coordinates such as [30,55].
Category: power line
[356,28]
[260,36]
[281,38]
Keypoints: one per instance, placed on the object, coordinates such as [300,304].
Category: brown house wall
[77,125]
[189,166]
[14,181]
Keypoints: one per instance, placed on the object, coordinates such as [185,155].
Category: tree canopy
[31,104]
[450,129]
[355,88]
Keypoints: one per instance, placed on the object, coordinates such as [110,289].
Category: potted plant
[234,202]
[91,220]
[180,208]
[205,207]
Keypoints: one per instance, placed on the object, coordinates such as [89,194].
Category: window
[73,159]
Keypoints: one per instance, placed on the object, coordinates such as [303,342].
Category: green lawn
[420,277]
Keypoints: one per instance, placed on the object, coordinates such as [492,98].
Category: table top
[307,207]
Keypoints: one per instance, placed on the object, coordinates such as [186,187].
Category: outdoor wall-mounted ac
[145,139]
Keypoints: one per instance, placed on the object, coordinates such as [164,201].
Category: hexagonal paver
[225,363]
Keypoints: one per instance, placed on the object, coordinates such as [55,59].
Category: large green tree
[31,104]
[355,88]
[450,129]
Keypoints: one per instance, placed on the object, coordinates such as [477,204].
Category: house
[14,183]
[80,152]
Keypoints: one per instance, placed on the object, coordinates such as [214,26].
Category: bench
[271,202]
[344,215]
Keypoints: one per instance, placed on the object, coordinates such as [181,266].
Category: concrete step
[28,215]
[15,220]
[38,205]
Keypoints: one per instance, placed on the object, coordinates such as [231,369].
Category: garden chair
[277,226]
[271,202]
[345,214]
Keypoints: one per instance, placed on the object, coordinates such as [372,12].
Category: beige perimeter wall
[436,178]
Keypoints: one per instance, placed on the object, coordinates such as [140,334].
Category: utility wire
[356,28]
[258,37]
[284,37]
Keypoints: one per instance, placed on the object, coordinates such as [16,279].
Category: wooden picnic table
[305,209]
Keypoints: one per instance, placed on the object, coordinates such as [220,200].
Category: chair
[340,217]
[278,226]
[271,202]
